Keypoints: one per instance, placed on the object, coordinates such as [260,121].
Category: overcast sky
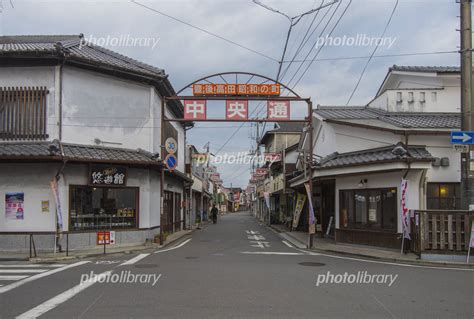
[418,26]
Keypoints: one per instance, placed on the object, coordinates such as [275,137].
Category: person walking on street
[214,212]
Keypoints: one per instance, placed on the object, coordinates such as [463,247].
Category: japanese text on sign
[194,110]
[106,175]
[236,89]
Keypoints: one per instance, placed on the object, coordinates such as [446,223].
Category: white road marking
[134,260]
[59,299]
[270,253]
[38,276]
[32,266]
[12,277]
[286,243]
[387,263]
[21,271]
[172,248]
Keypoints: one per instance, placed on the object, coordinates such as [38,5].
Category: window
[23,113]
[410,97]
[399,97]
[443,196]
[422,97]
[434,96]
[94,208]
[369,208]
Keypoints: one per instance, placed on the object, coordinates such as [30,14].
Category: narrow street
[237,269]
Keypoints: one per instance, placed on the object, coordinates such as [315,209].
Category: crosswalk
[10,273]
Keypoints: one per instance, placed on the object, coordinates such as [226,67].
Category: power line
[205,31]
[373,52]
[377,56]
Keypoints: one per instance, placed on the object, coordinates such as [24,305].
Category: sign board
[171,145]
[272,157]
[14,206]
[194,110]
[461,148]
[45,206]
[236,89]
[460,137]
[106,237]
[171,162]
[278,110]
[236,110]
[107,175]
[300,199]
[261,171]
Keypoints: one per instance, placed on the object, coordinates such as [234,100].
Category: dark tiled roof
[394,153]
[436,69]
[398,119]
[75,152]
[283,127]
[74,47]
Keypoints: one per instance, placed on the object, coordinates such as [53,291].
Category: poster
[300,199]
[109,237]
[14,206]
[45,206]
[372,215]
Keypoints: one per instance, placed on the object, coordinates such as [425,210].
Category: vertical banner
[266,195]
[312,220]
[55,189]
[405,216]
[300,199]
[14,206]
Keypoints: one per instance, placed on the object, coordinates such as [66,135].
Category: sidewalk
[97,251]
[300,239]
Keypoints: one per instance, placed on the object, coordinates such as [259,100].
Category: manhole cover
[311,264]
[191,257]
[146,266]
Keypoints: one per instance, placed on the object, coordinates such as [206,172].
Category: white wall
[36,76]
[105,107]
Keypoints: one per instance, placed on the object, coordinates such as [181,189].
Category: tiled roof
[283,127]
[74,47]
[436,69]
[394,153]
[398,119]
[75,152]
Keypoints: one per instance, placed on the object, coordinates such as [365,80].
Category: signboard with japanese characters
[195,110]
[261,171]
[278,110]
[236,89]
[14,206]
[236,110]
[272,157]
[107,175]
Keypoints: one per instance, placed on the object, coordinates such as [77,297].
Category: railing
[441,231]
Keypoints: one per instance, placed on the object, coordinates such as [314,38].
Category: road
[235,269]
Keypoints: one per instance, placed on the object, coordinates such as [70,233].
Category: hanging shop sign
[236,110]
[14,206]
[107,175]
[272,157]
[236,89]
[278,110]
[194,110]
[300,199]
[261,171]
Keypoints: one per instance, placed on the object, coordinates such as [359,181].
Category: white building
[92,118]
[364,152]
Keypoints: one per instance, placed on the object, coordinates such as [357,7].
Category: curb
[126,250]
[419,262]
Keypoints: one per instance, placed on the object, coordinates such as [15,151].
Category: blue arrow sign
[460,137]
[171,161]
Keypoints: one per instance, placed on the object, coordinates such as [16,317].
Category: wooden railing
[23,113]
[441,231]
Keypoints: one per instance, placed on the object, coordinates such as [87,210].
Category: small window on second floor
[434,96]
[23,113]
[399,97]
[422,97]
[410,97]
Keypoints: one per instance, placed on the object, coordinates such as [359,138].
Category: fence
[441,231]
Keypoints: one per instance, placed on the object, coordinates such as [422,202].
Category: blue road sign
[171,161]
[460,137]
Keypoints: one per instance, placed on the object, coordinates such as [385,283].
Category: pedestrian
[214,212]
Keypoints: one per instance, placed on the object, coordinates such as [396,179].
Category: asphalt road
[236,269]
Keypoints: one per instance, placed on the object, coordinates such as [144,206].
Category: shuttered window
[23,113]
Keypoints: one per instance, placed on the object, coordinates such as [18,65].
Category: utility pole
[467,109]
